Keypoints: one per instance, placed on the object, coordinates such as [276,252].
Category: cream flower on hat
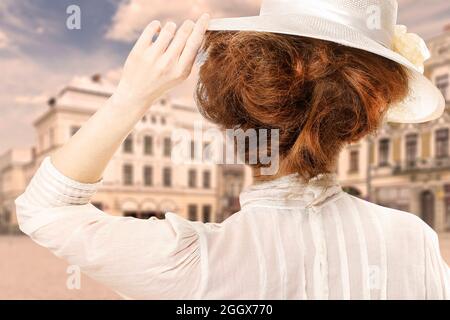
[411,46]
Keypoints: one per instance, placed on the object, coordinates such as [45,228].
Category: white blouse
[291,240]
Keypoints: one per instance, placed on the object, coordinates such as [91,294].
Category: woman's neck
[282,172]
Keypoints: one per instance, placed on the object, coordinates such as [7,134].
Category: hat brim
[424,101]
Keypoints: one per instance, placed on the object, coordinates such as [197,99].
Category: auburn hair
[320,95]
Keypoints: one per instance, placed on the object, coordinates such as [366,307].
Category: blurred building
[141,180]
[14,170]
[407,166]
[230,184]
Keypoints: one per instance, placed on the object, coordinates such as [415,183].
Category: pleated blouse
[291,240]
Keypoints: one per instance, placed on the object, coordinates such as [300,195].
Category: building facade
[407,166]
[14,172]
[142,180]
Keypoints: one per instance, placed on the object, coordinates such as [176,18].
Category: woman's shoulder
[393,219]
[191,225]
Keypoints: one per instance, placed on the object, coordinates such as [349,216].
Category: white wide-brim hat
[369,25]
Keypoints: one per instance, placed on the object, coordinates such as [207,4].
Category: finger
[145,40]
[194,42]
[165,36]
[179,42]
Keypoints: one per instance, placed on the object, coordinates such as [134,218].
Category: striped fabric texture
[291,240]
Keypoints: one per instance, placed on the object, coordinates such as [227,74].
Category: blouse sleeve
[437,272]
[141,259]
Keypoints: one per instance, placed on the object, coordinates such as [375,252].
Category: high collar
[292,191]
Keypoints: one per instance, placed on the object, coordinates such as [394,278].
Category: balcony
[442,163]
[422,165]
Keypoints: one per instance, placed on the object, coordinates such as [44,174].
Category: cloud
[9,14]
[426,18]
[21,78]
[4,40]
[39,99]
[133,15]
[27,85]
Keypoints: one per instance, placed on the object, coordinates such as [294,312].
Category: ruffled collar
[292,191]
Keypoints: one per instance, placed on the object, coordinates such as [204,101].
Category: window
[207,151]
[167,147]
[128,175]
[192,150]
[442,84]
[132,214]
[206,179]
[383,153]
[354,161]
[148,145]
[74,130]
[167,177]
[98,205]
[192,178]
[442,143]
[207,213]
[6,217]
[163,121]
[128,144]
[411,150]
[192,212]
[149,214]
[443,49]
[148,176]
[447,205]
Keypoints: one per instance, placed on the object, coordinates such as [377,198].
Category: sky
[39,54]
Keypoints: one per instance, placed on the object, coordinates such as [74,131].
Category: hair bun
[319,94]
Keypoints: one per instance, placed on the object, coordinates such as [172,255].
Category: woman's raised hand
[152,68]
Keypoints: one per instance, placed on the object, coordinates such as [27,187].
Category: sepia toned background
[53,79]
